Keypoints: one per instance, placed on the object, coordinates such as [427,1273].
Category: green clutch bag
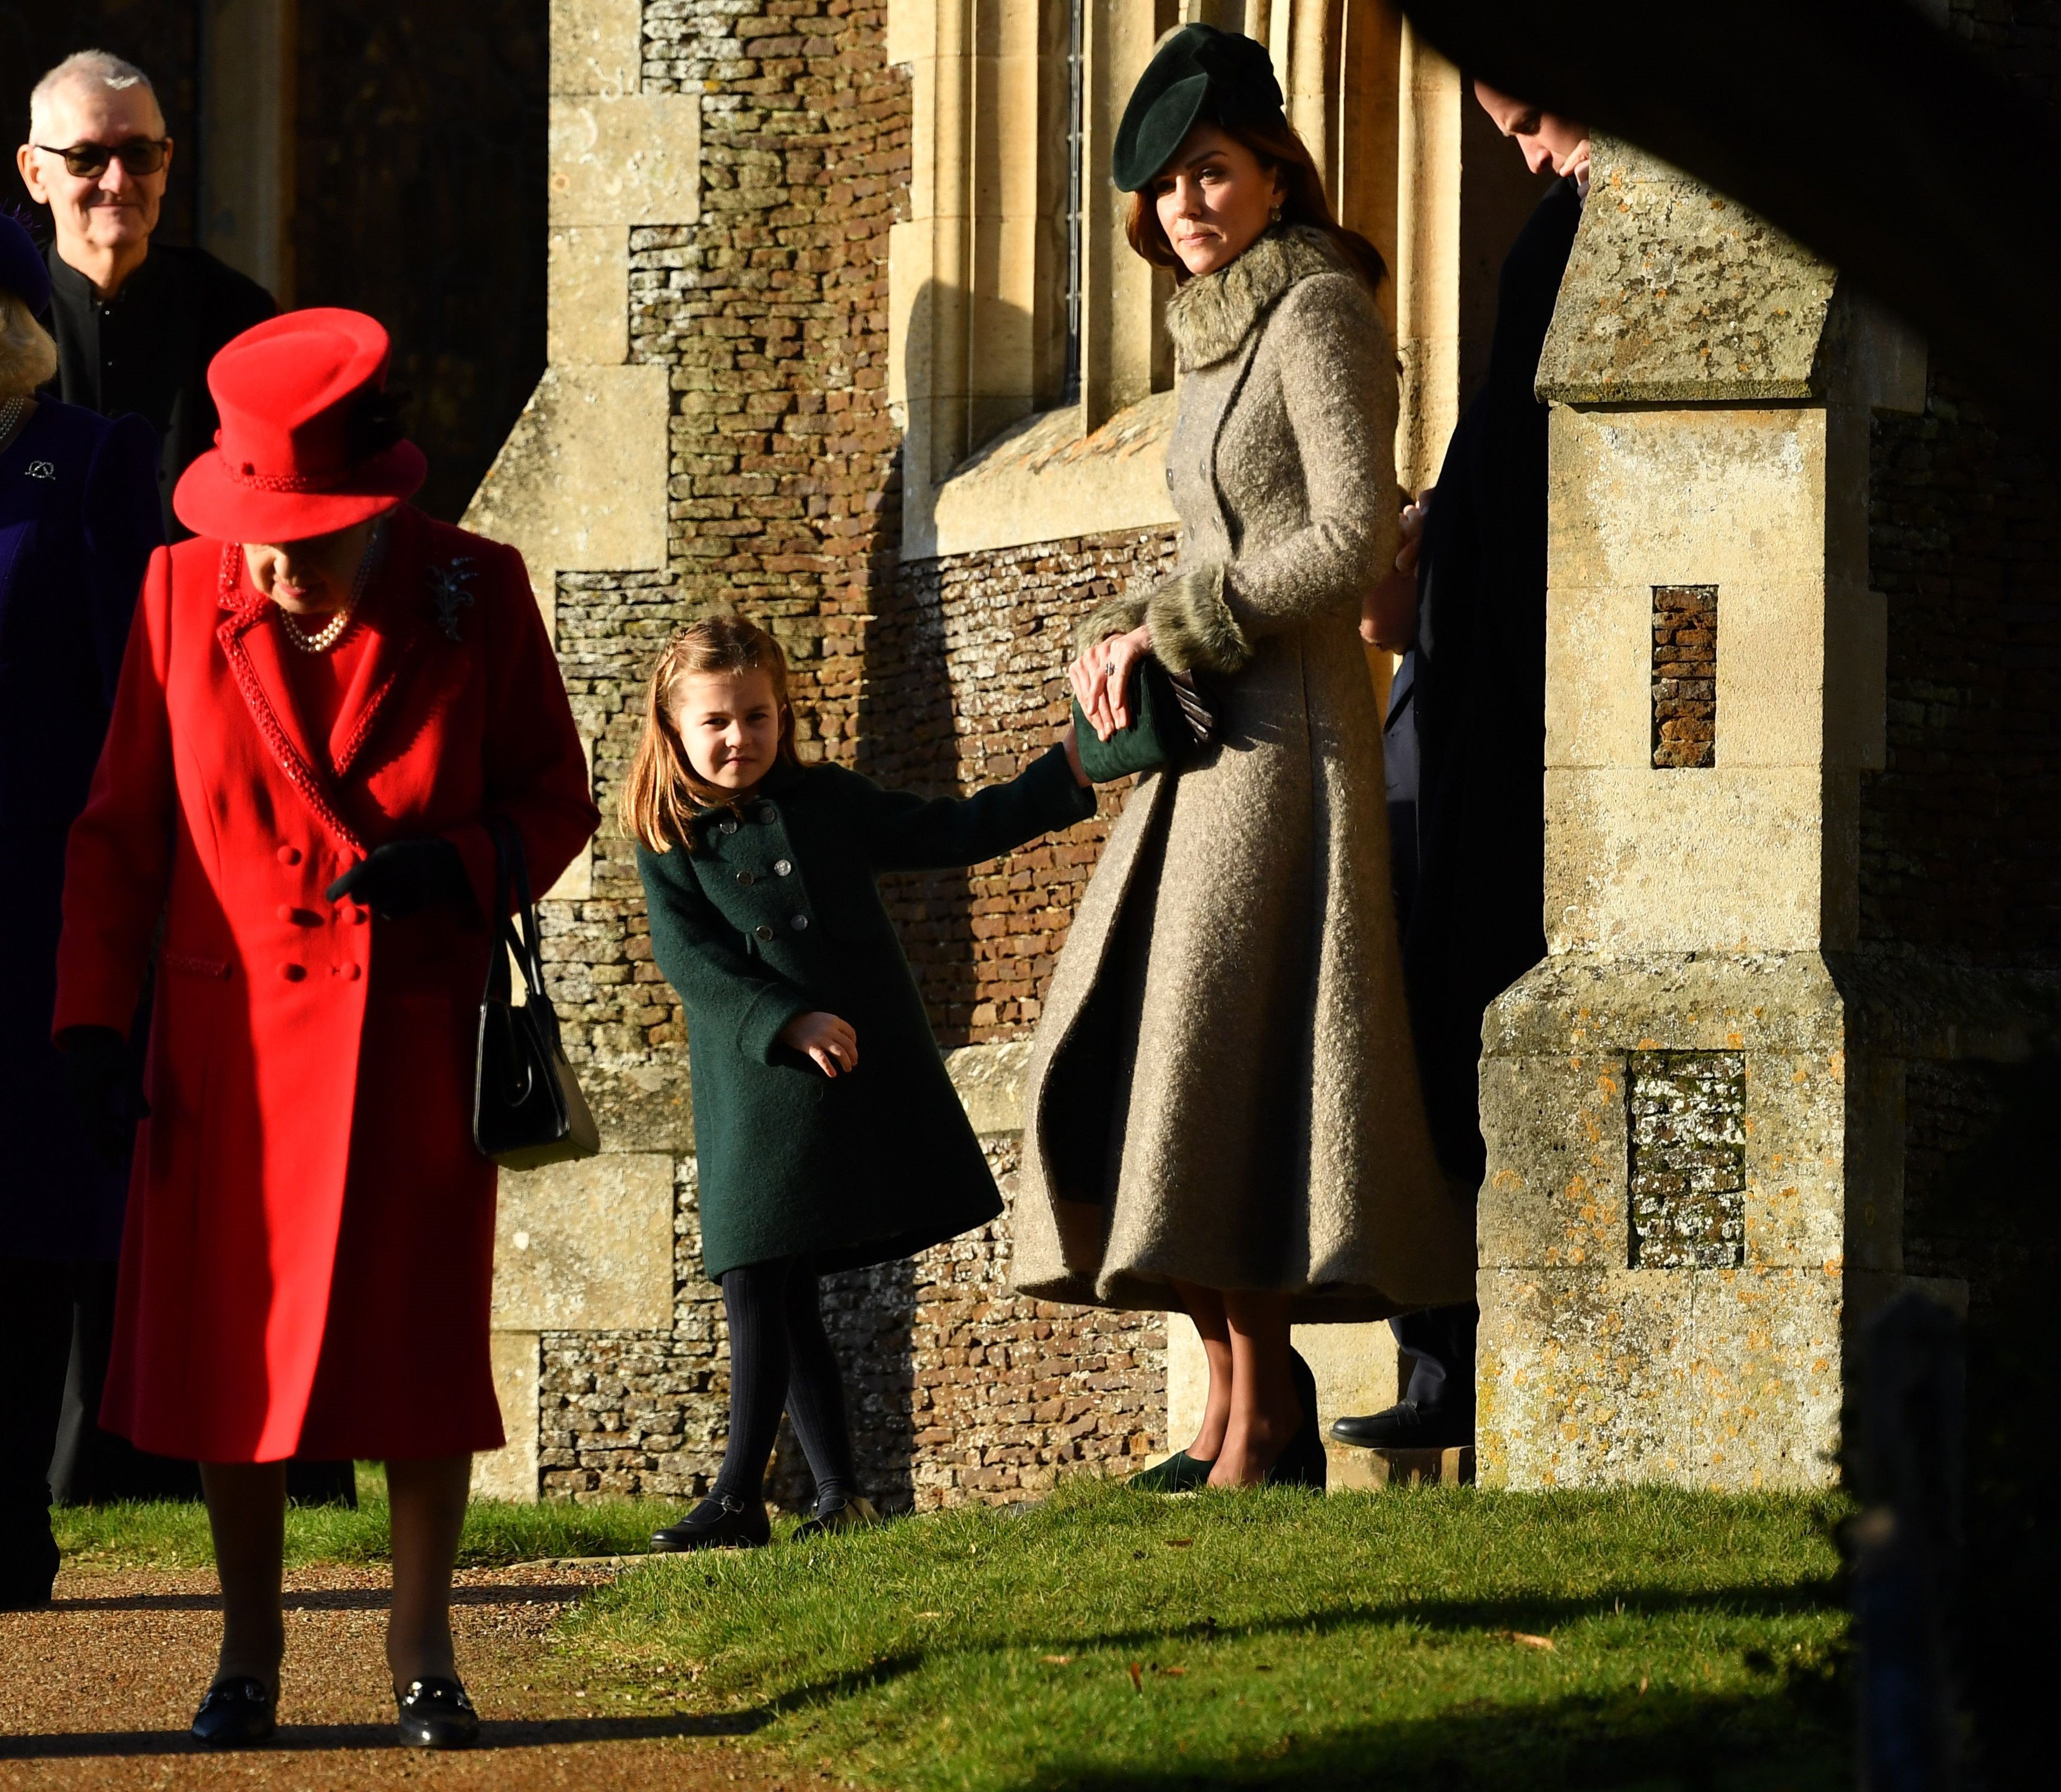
[1164,729]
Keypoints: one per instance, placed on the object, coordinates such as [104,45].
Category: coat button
[728,825]
[763,931]
[351,973]
[359,917]
[746,879]
[768,813]
[288,912]
[289,855]
[783,868]
[800,923]
[292,973]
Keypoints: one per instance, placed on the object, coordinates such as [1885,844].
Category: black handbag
[1168,720]
[527,1109]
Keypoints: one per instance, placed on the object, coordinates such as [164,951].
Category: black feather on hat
[1198,73]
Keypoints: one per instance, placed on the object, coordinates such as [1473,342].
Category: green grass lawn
[1425,1639]
[172,1534]
[1439,1639]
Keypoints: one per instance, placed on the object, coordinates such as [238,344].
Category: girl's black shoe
[436,1713]
[1303,1463]
[855,1514]
[719,1523]
[236,1712]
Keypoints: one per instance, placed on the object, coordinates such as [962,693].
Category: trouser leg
[754,1301]
[1440,1344]
[37,1296]
[815,1392]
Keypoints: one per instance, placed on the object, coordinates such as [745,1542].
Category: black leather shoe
[856,1514]
[235,1713]
[28,1571]
[1303,1463]
[1404,1425]
[719,1523]
[1179,1474]
[436,1713]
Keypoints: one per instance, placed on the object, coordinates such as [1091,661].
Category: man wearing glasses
[136,323]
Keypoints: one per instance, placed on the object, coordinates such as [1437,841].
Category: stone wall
[966,686]
[957,1391]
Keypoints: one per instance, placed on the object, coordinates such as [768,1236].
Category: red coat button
[352,973]
[359,917]
[289,855]
[292,973]
[288,912]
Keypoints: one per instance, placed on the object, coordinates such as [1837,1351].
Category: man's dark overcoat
[146,349]
[775,913]
[1472,696]
[78,519]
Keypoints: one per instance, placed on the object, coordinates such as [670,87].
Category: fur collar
[1211,315]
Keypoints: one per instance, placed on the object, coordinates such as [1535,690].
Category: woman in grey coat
[1224,1115]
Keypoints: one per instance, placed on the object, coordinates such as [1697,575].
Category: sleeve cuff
[1193,628]
[1059,800]
[758,1032]
[1117,615]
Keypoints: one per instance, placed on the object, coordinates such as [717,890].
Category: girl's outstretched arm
[909,833]
[704,958]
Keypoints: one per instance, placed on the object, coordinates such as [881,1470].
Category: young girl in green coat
[828,1133]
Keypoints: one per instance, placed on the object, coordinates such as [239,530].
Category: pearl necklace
[321,640]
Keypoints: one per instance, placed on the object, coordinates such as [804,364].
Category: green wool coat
[776,912]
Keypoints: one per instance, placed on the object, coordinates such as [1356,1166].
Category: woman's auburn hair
[663,793]
[1279,150]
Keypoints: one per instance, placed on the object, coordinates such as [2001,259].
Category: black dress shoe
[719,1523]
[236,1712]
[28,1572]
[436,1713]
[1405,1425]
[1303,1463]
[1179,1474]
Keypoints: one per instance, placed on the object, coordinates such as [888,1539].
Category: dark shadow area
[1794,1737]
[356,1599]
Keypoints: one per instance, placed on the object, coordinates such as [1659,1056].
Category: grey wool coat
[1222,1090]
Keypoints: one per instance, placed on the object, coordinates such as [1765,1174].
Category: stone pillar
[246,139]
[1692,1110]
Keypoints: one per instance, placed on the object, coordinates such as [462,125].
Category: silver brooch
[451,591]
[42,470]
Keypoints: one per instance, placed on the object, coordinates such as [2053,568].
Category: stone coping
[1043,480]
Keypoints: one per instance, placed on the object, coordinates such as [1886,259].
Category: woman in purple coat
[78,519]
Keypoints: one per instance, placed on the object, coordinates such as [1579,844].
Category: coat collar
[253,644]
[1211,315]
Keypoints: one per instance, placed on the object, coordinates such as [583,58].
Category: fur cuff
[1193,629]
[1117,615]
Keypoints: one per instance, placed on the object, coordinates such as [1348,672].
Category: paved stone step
[1353,1469]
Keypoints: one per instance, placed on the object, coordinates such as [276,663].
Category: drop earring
[1274,216]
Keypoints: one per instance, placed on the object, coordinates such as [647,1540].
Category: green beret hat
[1198,73]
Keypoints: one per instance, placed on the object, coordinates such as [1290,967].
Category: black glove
[405,877]
[104,1090]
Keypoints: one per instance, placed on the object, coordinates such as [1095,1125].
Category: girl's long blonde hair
[663,794]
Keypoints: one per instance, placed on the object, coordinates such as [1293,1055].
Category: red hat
[307,444]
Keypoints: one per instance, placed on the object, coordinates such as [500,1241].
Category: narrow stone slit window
[1687,1122]
[1685,677]
[1076,193]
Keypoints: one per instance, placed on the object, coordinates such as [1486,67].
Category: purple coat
[78,520]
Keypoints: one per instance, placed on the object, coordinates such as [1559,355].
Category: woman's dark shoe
[1303,1463]
[436,1713]
[235,1713]
[855,1514]
[1179,1474]
[719,1523]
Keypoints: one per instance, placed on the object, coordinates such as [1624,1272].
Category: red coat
[308,1256]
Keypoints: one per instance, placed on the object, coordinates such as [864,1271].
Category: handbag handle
[515,928]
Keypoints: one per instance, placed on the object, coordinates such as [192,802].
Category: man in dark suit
[136,322]
[1466,741]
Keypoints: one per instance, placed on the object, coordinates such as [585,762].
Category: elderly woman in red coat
[326,696]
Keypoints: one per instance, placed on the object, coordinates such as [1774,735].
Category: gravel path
[97,1691]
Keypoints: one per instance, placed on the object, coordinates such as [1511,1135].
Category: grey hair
[28,356]
[87,68]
